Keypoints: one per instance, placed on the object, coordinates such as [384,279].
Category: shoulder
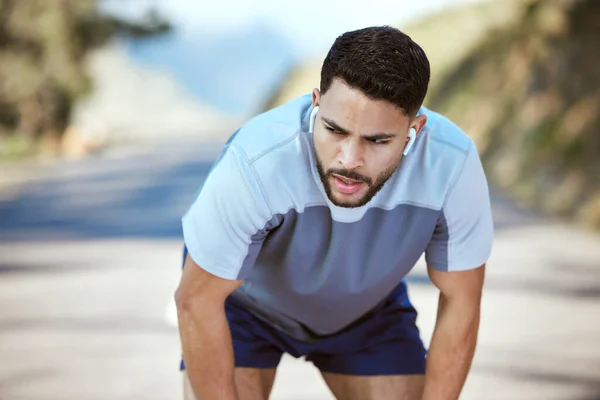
[272,154]
[269,131]
[433,167]
[445,136]
[457,163]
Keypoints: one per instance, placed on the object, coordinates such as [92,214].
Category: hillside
[530,96]
[522,79]
[445,47]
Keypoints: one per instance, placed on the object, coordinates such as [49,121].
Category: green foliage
[530,96]
[42,48]
[521,77]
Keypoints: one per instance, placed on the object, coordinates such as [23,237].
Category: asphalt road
[90,257]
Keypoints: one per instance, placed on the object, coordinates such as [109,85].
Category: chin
[348,201]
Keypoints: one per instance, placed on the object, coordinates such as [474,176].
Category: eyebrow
[374,136]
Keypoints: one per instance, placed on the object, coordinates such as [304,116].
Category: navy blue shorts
[386,341]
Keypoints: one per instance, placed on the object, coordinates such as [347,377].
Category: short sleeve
[463,236]
[224,227]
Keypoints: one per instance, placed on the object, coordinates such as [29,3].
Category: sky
[310,26]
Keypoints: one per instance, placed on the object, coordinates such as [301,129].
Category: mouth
[346,185]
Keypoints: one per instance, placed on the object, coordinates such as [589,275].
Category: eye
[379,141]
[333,130]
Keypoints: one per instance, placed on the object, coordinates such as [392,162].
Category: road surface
[90,257]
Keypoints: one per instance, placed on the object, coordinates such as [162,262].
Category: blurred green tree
[530,96]
[42,46]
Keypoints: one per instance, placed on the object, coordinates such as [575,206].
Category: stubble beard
[374,187]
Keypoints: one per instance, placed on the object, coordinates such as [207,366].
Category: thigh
[254,383]
[382,387]
[386,342]
[393,358]
[250,383]
[256,355]
[380,357]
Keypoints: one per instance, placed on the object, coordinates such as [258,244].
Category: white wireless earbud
[313,116]
[412,135]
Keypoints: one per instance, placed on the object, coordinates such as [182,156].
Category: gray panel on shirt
[327,273]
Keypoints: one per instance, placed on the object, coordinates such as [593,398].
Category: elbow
[194,301]
[187,306]
[183,299]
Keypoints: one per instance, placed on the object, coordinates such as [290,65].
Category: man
[303,231]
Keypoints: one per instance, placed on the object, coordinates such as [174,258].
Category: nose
[350,155]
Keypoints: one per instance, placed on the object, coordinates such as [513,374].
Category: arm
[456,256]
[223,231]
[204,332]
[455,335]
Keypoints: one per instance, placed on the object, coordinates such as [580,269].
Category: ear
[412,136]
[316,97]
[416,126]
[418,123]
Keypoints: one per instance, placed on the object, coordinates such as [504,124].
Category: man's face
[358,143]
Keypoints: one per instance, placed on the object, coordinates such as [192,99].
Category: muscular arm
[204,332]
[455,335]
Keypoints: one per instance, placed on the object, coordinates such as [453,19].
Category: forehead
[348,105]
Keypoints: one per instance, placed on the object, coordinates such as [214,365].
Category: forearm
[207,353]
[451,350]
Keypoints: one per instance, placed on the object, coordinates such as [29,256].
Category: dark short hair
[382,62]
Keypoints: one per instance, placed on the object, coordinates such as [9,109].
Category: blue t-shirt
[312,268]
